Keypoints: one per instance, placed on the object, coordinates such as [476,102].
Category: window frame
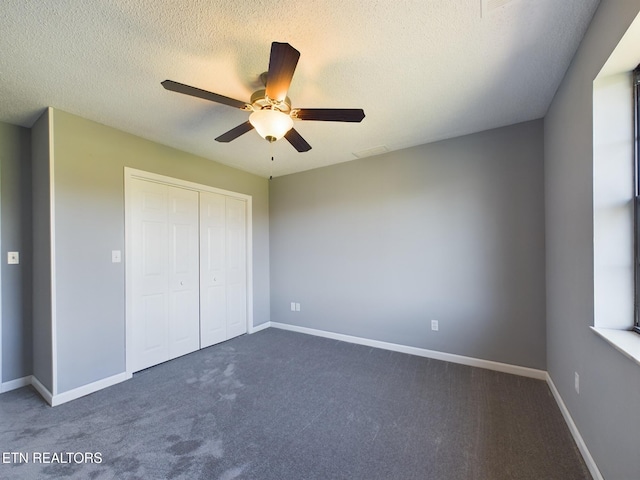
[636,199]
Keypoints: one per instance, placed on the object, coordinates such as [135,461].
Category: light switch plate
[13,258]
[116,256]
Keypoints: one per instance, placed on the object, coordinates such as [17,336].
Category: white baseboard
[586,455]
[420,352]
[42,390]
[65,397]
[59,399]
[14,384]
[262,326]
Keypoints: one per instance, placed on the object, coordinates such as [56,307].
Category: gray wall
[15,201]
[606,410]
[41,214]
[452,231]
[89,224]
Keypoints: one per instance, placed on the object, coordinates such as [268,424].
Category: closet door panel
[184,311]
[213,296]
[236,267]
[150,306]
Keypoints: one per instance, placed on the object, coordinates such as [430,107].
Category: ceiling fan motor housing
[260,101]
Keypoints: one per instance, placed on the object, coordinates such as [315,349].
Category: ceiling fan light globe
[271,124]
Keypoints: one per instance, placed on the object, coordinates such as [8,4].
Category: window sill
[625,341]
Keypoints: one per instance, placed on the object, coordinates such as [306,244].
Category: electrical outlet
[576,383]
[116,256]
[434,325]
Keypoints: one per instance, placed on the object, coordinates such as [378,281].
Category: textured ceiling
[422,70]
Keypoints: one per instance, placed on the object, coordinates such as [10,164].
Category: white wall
[15,295]
[606,409]
[41,214]
[452,231]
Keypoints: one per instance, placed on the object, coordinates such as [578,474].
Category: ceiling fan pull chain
[271,169]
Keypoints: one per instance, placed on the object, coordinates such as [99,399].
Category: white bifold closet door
[165,283]
[223,277]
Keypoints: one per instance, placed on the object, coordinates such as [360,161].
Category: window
[616,198]
[636,212]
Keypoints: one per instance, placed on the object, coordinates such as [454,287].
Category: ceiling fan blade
[196,92]
[235,132]
[282,64]
[329,114]
[295,139]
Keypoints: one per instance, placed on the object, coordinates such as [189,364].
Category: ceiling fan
[272,115]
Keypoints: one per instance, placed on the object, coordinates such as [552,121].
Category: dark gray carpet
[278,405]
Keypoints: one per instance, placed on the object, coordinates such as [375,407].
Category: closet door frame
[131,173]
